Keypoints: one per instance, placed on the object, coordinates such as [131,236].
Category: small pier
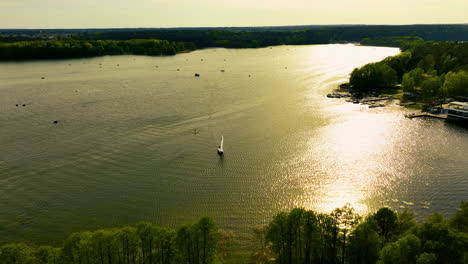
[376,99]
[426,115]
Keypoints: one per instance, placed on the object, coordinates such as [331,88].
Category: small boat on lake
[220,148]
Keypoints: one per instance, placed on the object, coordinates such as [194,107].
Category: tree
[431,88]
[197,243]
[47,255]
[296,237]
[209,239]
[328,244]
[276,234]
[427,258]
[437,238]
[427,63]
[16,254]
[413,79]
[456,84]
[460,220]
[404,250]
[372,77]
[386,220]
[127,243]
[346,219]
[400,63]
[165,239]
[146,233]
[364,243]
[76,248]
[405,222]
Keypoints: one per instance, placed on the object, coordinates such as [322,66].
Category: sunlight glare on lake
[353,151]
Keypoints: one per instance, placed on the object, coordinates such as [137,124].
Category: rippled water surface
[124,148]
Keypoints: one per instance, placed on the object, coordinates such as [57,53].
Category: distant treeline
[69,48]
[390,41]
[431,70]
[316,35]
[188,39]
[296,237]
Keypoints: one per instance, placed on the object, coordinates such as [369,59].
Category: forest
[299,236]
[433,71]
[32,44]
[56,49]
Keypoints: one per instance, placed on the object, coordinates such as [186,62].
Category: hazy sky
[195,13]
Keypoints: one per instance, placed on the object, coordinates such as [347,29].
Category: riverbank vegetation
[297,236]
[198,243]
[390,41]
[69,48]
[384,237]
[428,71]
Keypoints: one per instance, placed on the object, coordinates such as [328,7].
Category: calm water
[125,150]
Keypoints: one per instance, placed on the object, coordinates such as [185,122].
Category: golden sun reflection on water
[354,151]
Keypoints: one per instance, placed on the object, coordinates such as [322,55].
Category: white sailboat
[220,148]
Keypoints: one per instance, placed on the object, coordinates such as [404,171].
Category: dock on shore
[441,116]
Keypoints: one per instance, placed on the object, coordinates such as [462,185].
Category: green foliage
[412,80]
[404,250]
[302,236]
[197,243]
[456,84]
[400,63]
[438,238]
[55,49]
[405,222]
[431,88]
[16,254]
[383,237]
[460,220]
[143,244]
[386,220]
[390,41]
[364,243]
[434,69]
[427,258]
[371,77]
[296,237]
[427,64]
[47,255]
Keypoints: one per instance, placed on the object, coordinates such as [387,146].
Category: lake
[136,139]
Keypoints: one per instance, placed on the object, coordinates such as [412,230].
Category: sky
[220,13]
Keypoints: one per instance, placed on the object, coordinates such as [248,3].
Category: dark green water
[124,149]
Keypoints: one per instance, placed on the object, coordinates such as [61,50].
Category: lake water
[124,148]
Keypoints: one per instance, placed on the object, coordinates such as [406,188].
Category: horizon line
[234,27]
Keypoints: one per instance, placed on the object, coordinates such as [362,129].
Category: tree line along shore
[299,236]
[426,72]
[52,44]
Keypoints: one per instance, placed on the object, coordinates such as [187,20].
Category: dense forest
[296,237]
[429,70]
[54,49]
[314,35]
[36,44]
[385,237]
[144,243]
